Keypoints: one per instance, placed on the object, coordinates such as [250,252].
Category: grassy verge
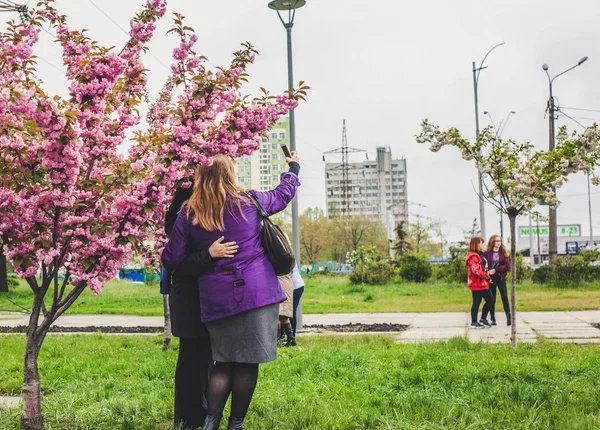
[335,295]
[111,382]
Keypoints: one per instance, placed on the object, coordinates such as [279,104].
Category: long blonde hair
[215,187]
[490,246]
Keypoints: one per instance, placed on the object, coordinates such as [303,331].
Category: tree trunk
[3,274]
[513,279]
[167,330]
[32,400]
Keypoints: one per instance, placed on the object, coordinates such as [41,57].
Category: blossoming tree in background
[72,208]
[516,176]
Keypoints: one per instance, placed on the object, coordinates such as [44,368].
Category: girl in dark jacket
[499,263]
[478,280]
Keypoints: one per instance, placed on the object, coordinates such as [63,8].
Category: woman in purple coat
[240,296]
[499,264]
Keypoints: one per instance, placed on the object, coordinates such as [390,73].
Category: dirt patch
[89,329]
[336,328]
[358,328]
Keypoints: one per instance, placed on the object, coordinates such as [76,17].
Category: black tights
[478,295]
[239,379]
[501,285]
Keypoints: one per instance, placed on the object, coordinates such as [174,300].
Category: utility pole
[552,227]
[476,72]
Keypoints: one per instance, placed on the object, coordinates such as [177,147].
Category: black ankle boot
[508,319]
[235,423]
[212,422]
[289,332]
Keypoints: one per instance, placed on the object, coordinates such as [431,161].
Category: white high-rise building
[376,189]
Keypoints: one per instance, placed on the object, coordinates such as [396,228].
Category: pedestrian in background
[499,263]
[478,280]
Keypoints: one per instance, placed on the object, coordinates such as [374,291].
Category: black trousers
[497,284]
[194,364]
[477,297]
[297,296]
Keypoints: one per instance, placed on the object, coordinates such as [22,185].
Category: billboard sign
[544,230]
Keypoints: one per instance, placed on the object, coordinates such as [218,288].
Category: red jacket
[477,273]
[504,266]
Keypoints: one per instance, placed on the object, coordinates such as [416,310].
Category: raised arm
[278,199]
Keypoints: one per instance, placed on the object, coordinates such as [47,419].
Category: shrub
[414,267]
[570,271]
[542,275]
[589,255]
[524,272]
[455,271]
[373,273]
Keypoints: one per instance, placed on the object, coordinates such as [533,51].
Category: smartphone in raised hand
[286,151]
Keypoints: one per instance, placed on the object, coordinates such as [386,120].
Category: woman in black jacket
[194,360]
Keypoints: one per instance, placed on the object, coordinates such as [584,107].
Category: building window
[282,135]
[264,140]
[273,135]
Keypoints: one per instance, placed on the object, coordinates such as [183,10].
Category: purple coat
[504,265]
[246,281]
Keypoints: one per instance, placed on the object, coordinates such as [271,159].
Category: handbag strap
[263,213]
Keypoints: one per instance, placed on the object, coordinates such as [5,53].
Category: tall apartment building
[376,189]
[261,170]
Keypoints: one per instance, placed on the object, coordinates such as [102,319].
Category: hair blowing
[215,189]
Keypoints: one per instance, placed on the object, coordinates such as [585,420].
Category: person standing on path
[298,291]
[239,297]
[499,261]
[194,358]
[478,280]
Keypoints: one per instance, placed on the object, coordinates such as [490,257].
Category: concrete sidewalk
[573,326]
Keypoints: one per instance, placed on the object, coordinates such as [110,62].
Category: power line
[582,109]
[573,119]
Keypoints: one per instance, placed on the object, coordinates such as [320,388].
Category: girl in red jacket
[498,261]
[478,280]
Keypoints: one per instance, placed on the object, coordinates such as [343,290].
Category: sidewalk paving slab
[560,326]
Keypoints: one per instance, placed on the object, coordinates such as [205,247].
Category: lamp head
[583,60]
[286,4]
[485,112]
[545,67]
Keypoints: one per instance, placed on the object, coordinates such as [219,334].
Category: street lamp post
[552,228]
[476,72]
[290,6]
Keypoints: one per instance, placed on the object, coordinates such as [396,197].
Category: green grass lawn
[368,382]
[334,295]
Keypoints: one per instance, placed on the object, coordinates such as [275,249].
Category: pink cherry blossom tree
[72,208]
[516,176]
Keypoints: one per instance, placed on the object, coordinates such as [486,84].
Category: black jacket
[183,296]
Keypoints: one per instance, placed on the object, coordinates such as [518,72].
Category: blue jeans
[297,296]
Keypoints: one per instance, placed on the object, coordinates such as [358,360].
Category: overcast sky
[384,66]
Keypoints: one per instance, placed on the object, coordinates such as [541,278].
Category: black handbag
[275,243]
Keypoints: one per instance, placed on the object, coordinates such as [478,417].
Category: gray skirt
[249,337]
